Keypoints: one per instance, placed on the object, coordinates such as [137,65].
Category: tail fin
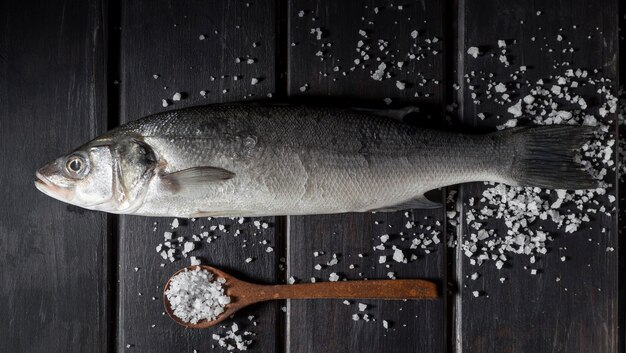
[544,157]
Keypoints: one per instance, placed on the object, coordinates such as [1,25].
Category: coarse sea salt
[525,211]
[234,338]
[398,256]
[195,295]
[473,51]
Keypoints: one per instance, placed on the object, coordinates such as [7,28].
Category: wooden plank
[53,258]
[327,326]
[535,313]
[163,38]
[621,183]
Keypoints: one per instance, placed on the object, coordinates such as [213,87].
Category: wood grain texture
[327,326]
[621,186]
[536,313]
[163,38]
[53,257]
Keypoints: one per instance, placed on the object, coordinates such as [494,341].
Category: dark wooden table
[79,281]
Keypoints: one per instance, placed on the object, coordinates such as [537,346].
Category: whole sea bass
[255,160]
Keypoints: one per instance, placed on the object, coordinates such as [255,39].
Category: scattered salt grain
[473,51]
[234,339]
[188,247]
[529,99]
[500,87]
[380,72]
[398,256]
[516,109]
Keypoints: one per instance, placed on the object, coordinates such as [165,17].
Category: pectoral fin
[196,177]
[418,202]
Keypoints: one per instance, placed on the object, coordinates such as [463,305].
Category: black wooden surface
[535,313]
[53,257]
[81,281]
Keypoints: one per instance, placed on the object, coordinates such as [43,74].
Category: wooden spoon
[244,293]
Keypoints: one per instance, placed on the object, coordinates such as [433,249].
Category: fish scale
[312,160]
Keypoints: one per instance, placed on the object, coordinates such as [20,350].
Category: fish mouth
[44,185]
[41,180]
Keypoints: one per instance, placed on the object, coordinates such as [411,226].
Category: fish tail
[545,156]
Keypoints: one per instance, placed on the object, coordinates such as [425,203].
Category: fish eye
[75,165]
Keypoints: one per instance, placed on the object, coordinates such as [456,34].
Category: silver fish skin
[258,160]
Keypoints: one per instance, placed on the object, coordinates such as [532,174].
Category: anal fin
[395,114]
[418,202]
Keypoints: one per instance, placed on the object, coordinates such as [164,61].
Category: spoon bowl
[244,293]
[233,287]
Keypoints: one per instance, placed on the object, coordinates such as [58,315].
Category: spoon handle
[370,289]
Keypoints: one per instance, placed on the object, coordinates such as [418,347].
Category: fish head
[109,175]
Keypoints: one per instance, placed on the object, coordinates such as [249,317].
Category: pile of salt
[195,295]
